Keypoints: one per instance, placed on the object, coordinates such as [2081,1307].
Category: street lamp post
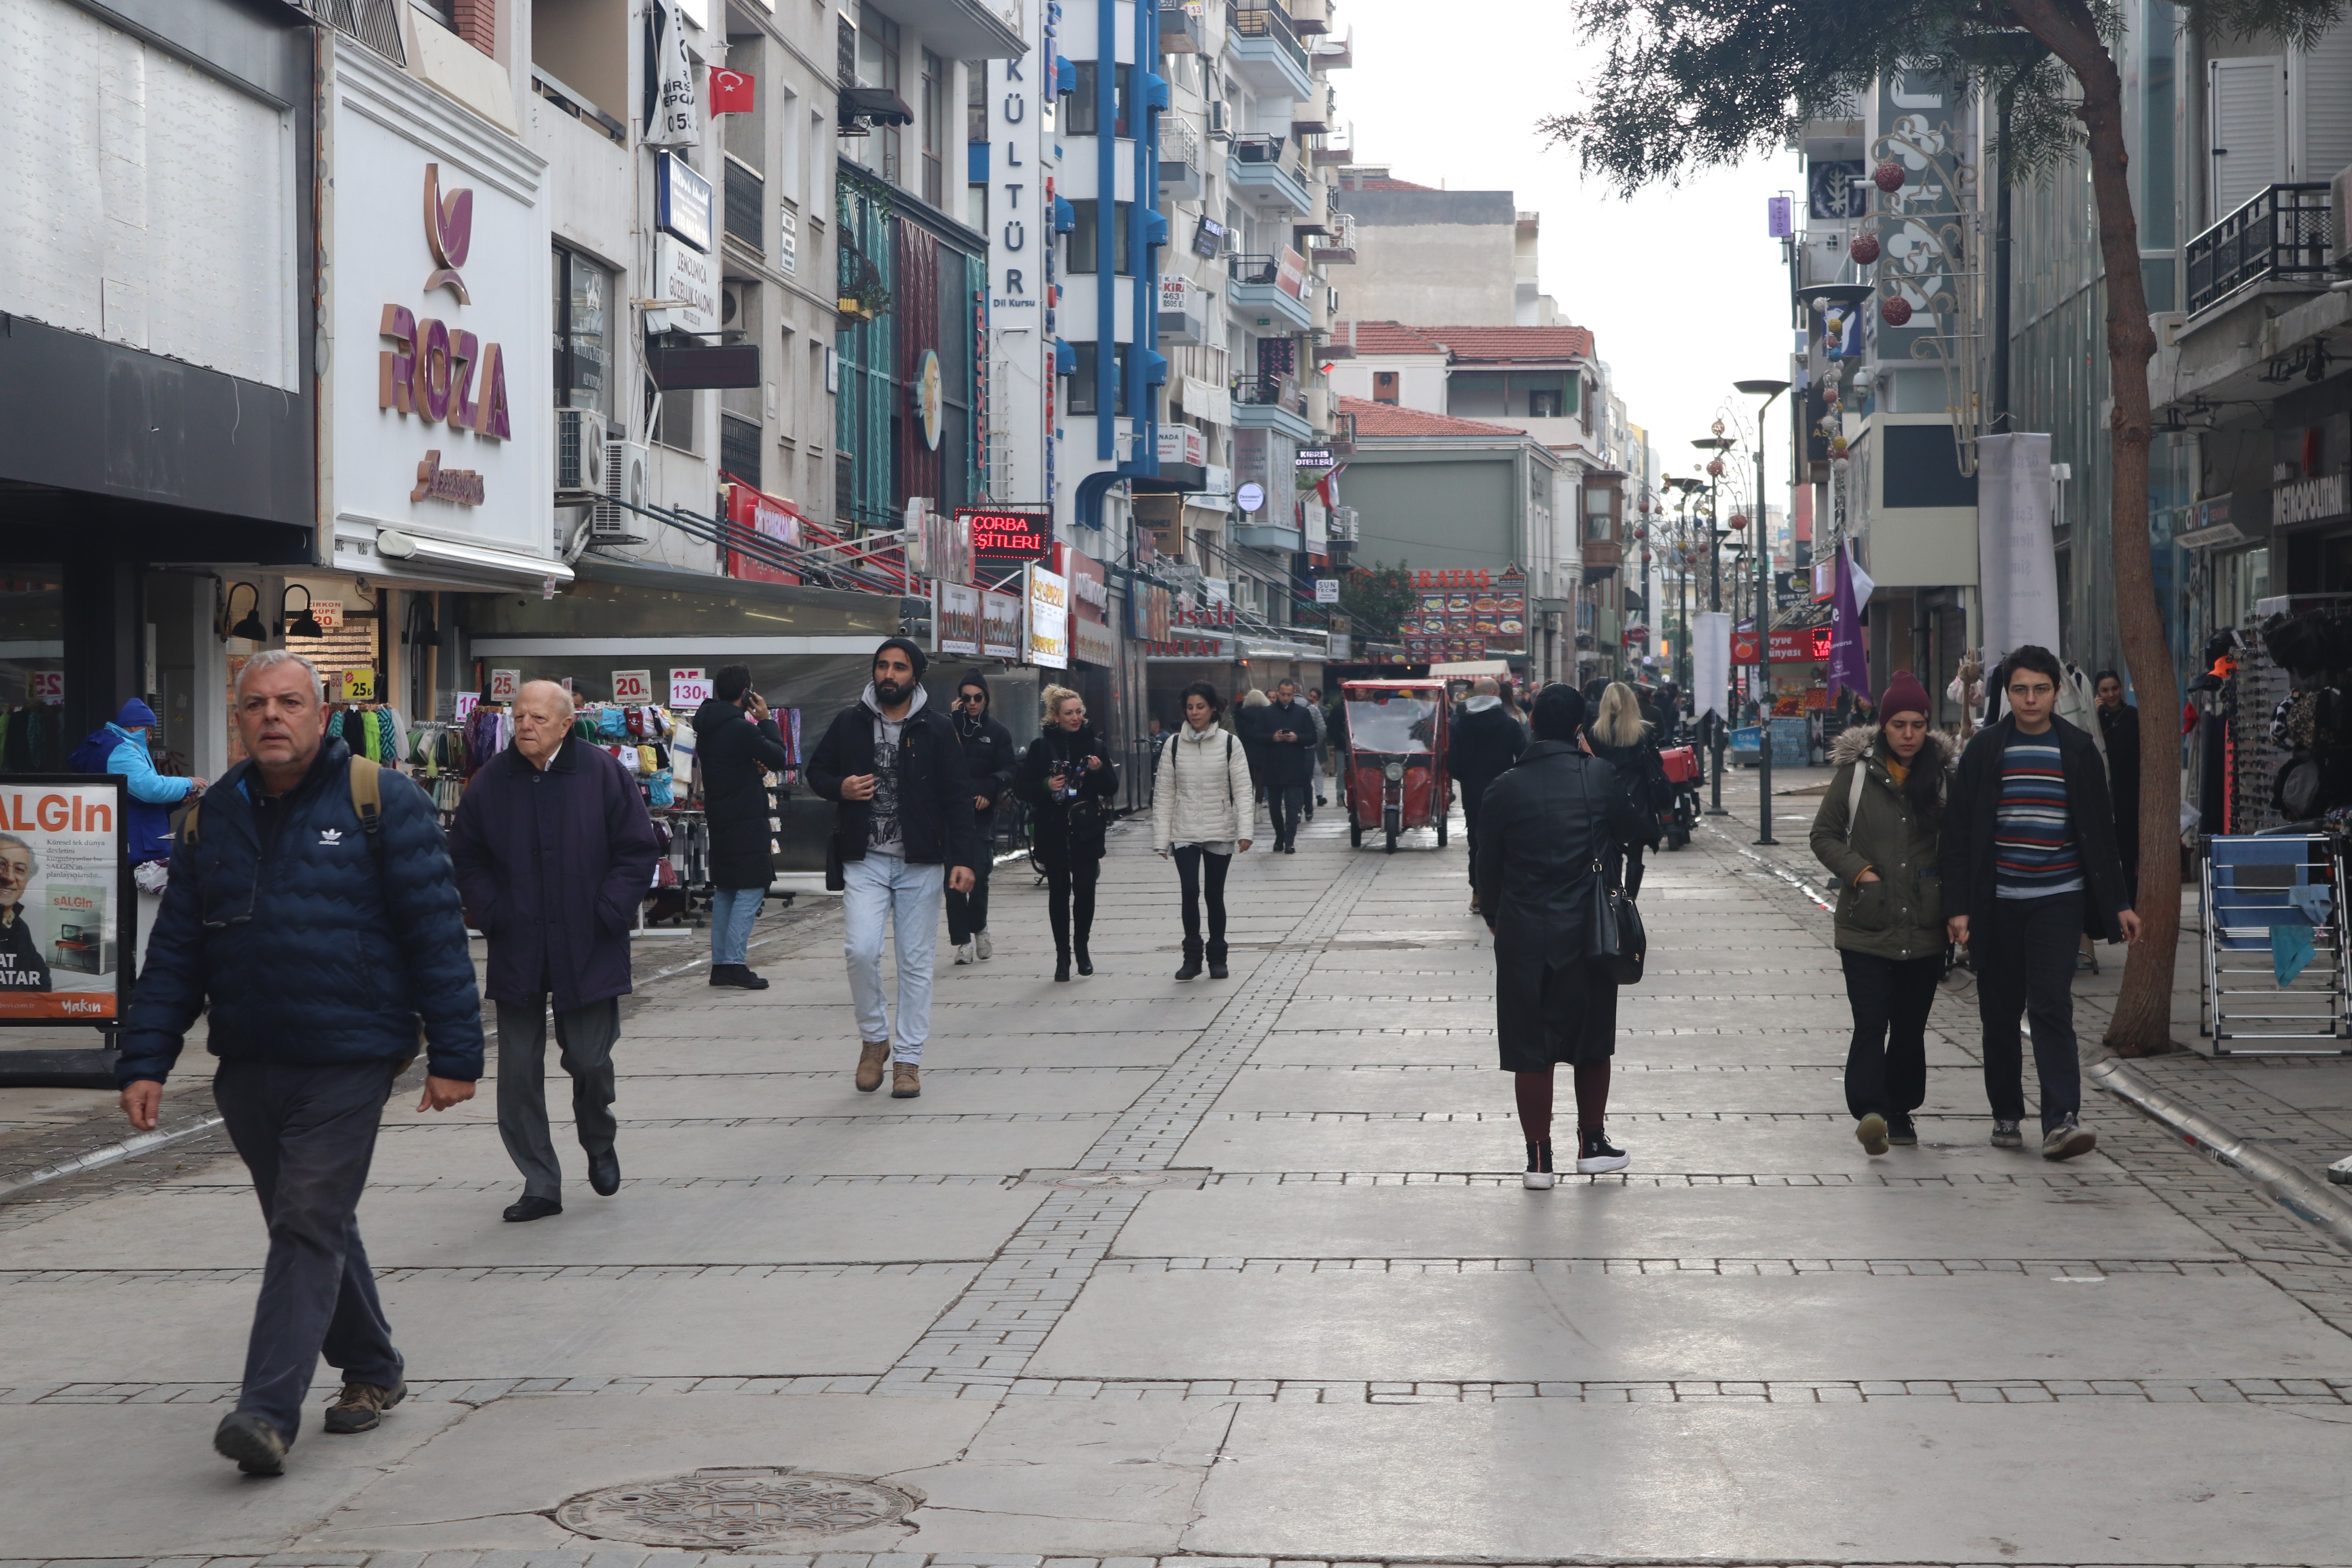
[1717,444]
[1768,390]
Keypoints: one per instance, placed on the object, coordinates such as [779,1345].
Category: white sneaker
[980,941]
[963,952]
[1538,1180]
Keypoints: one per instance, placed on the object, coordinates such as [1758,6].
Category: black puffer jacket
[1485,741]
[988,758]
[1547,821]
[730,751]
[315,947]
[1069,830]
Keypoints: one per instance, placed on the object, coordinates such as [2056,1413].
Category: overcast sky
[1683,290]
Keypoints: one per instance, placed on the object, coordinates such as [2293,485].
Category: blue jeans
[307,1134]
[882,891]
[732,911]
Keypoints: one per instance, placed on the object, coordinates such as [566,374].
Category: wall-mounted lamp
[250,629]
[307,624]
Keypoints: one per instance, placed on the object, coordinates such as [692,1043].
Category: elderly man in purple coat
[555,852]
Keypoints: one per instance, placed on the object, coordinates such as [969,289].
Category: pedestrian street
[1218,1270]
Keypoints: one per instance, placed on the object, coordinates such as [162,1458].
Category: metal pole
[1763,642]
[1714,590]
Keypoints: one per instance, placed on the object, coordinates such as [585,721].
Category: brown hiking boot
[362,1405]
[871,1054]
[906,1082]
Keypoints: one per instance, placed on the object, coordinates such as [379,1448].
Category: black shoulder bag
[1613,928]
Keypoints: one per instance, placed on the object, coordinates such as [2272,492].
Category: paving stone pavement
[1241,1274]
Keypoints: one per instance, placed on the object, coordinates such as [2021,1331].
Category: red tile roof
[1390,419]
[1476,345]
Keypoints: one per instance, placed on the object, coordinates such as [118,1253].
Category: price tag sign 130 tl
[688,690]
[632,685]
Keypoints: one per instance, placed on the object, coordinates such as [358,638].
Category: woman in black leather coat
[1068,779]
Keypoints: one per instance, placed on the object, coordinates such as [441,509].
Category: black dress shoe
[605,1174]
[529,1208]
[738,975]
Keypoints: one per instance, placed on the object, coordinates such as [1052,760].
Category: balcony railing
[1268,392]
[746,201]
[1255,269]
[1263,148]
[2282,232]
[1268,22]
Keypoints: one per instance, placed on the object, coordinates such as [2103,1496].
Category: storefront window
[32,667]
[583,292]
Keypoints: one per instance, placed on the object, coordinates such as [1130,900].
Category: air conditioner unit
[628,467]
[1221,119]
[730,306]
[580,440]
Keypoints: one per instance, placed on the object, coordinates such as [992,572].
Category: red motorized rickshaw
[1393,768]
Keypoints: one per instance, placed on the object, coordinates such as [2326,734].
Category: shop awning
[447,560]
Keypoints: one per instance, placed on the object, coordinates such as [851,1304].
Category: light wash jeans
[732,911]
[883,890]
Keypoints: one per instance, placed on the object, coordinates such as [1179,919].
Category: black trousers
[968,912]
[1070,899]
[1192,863]
[1471,798]
[1287,802]
[2025,965]
[584,1037]
[307,1134]
[1886,1065]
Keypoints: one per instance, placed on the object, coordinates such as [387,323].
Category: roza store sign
[443,373]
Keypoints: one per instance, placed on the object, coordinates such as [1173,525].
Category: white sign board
[441,379]
[1249,497]
[1327,590]
[689,280]
[504,684]
[1049,618]
[632,685]
[328,613]
[688,690]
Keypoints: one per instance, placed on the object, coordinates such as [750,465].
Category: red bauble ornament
[1641,533]
[1715,466]
[1864,249]
[1896,311]
[1887,176]
[1738,520]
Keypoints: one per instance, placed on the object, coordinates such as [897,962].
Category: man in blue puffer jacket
[121,748]
[284,910]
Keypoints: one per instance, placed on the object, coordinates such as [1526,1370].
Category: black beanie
[971,678]
[915,656]
[1558,713]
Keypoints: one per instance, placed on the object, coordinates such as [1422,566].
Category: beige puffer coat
[1203,792]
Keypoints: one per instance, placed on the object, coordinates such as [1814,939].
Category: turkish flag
[730,91]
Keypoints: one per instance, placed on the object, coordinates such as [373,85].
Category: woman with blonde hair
[1068,778]
[1619,736]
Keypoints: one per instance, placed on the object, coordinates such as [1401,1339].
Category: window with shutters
[2245,118]
[2320,85]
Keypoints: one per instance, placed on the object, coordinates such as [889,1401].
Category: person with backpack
[554,854]
[1880,833]
[1202,817]
[314,917]
[120,747]
[1066,774]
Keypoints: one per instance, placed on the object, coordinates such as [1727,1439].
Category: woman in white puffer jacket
[1203,812]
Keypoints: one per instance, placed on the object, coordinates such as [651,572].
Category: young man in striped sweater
[2030,863]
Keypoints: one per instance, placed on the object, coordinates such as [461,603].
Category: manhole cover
[729,1508]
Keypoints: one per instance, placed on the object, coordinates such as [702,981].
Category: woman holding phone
[1068,778]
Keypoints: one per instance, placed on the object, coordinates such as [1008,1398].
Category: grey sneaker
[980,942]
[2005,1135]
[964,954]
[2068,1138]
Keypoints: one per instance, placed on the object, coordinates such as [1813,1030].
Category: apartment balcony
[1180,159]
[1310,16]
[1256,169]
[1184,311]
[1343,442]
[2281,235]
[1333,52]
[1337,244]
[1184,27]
[1271,403]
[1320,214]
[1271,291]
[1266,49]
[1314,114]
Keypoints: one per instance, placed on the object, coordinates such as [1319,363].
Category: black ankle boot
[1062,965]
[1192,967]
[1216,964]
[1086,964]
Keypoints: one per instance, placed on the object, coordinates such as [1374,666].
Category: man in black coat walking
[903,831]
[1287,733]
[2119,726]
[736,746]
[555,852]
[988,756]
[1487,740]
[2029,866]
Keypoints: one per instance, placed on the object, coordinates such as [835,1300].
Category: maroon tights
[1534,1089]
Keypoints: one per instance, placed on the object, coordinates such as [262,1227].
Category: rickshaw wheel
[1392,838]
[1441,832]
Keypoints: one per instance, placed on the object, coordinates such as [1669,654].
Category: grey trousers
[584,1037]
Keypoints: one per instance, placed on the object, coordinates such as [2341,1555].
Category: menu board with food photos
[1465,615]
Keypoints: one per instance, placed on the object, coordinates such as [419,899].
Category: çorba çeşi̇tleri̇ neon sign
[434,369]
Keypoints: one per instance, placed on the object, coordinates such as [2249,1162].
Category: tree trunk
[2143,1018]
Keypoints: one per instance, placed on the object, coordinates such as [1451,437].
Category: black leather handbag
[1613,928]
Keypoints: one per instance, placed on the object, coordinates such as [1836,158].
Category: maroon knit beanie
[1904,694]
